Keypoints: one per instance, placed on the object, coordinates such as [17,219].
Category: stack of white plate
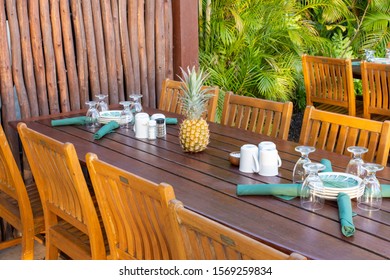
[336,182]
[111,115]
[381,60]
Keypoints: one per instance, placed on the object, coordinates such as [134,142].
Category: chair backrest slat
[20,205]
[204,239]
[376,90]
[171,92]
[134,212]
[336,132]
[68,207]
[329,83]
[258,115]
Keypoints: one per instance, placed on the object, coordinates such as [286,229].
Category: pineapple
[194,130]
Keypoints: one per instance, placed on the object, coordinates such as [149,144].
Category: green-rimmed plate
[336,182]
[381,60]
[340,181]
[111,115]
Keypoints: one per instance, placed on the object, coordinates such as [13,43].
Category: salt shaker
[161,131]
[152,132]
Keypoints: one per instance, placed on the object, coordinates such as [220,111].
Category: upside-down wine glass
[355,164]
[371,199]
[387,53]
[312,190]
[369,55]
[299,172]
[102,104]
[92,115]
[127,117]
[136,98]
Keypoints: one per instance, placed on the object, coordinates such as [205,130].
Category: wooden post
[185,35]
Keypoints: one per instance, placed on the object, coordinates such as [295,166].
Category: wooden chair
[170,99]
[257,115]
[376,90]
[20,205]
[71,220]
[336,132]
[134,212]
[329,84]
[204,239]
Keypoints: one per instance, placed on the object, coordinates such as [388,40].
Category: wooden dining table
[356,70]
[206,182]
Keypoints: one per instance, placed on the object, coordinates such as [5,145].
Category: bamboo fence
[61,53]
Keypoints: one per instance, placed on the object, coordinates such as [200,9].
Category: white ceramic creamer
[269,159]
[249,162]
[141,125]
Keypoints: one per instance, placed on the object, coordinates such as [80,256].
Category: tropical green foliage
[254,47]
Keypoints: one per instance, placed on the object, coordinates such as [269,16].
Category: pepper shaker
[160,124]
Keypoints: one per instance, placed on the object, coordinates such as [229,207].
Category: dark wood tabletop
[356,71]
[206,183]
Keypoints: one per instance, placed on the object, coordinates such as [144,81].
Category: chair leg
[52,252]
[28,246]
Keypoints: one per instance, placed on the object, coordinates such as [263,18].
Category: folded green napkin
[171,120]
[70,121]
[328,165]
[385,190]
[107,128]
[285,191]
[345,214]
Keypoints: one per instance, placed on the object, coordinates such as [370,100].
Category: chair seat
[10,209]
[331,108]
[71,239]
[79,244]
[341,110]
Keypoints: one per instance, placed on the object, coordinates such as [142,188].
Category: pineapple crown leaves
[195,96]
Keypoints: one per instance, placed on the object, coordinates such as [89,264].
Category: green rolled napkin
[385,190]
[171,120]
[328,165]
[107,128]
[285,191]
[345,214]
[70,121]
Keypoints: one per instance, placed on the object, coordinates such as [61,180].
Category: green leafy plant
[254,47]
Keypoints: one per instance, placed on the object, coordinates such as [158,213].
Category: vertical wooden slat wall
[6,81]
[62,53]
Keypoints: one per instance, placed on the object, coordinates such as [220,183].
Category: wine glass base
[312,206]
[366,207]
[127,127]
[93,128]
